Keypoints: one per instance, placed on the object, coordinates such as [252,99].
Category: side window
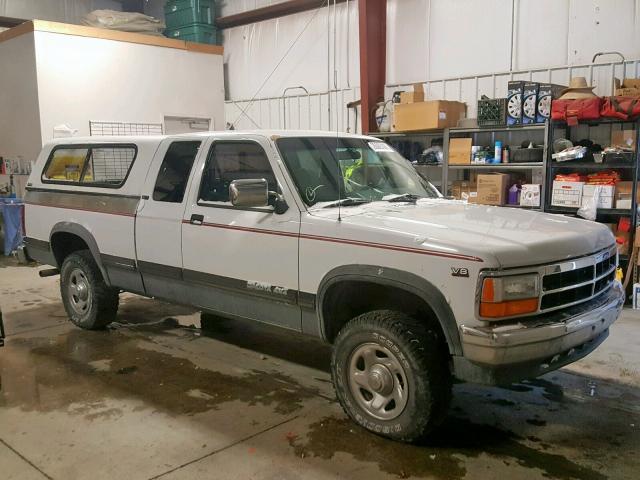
[66,164]
[229,161]
[97,165]
[174,171]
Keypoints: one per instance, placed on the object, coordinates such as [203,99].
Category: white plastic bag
[124,21]
[589,208]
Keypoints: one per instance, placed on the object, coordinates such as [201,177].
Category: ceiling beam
[277,10]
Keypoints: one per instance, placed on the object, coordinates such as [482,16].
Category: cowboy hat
[578,88]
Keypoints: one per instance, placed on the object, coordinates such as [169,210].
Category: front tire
[90,303]
[391,375]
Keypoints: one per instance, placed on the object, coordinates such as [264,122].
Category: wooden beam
[277,10]
[10,22]
[373,51]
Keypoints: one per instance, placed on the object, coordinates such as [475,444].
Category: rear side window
[174,172]
[229,161]
[95,165]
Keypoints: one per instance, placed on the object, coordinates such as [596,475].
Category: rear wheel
[391,375]
[90,303]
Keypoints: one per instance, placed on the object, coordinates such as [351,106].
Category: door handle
[196,219]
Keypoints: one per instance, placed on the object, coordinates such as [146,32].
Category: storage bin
[179,13]
[196,32]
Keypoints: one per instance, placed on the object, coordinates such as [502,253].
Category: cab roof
[155,139]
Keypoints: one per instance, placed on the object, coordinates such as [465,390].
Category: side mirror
[249,193]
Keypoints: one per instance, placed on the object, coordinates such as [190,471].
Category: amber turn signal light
[508,309]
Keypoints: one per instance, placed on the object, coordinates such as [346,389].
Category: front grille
[577,281]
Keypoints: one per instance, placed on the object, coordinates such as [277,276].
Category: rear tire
[90,303]
[391,375]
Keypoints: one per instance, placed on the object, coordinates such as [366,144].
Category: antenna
[335,88]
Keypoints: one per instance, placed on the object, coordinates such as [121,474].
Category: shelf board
[424,133]
[601,211]
[592,123]
[525,207]
[590,165]
[498,166]
[502,128]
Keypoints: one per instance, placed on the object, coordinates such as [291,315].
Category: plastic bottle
[505,154]
[498,152]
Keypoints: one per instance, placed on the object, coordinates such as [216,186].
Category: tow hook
[1,331]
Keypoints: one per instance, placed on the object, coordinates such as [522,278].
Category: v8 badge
[459,272]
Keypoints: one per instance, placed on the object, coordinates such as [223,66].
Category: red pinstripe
[362,243]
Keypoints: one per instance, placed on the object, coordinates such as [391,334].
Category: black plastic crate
[492,112]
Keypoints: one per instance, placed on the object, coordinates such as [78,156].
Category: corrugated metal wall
[460,48]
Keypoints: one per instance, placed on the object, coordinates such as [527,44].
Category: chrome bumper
[542,341]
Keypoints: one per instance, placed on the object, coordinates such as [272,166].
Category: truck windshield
[327,169]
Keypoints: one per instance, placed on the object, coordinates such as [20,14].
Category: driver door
[241,261]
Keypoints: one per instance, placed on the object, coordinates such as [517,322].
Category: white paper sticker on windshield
[380,147]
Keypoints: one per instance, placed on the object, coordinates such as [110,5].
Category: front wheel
[90,303]
[391,375]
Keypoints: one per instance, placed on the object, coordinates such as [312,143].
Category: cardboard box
[460,151]
[566,194]
[417,95]
[627,92]
[492,188]
[636,296]
[605,200]
[630,87]
[623,196]
[623,138]
[411,117]
[631,83]
[530,195]
[471,197]
[514,102]
[529,101]
[462,188]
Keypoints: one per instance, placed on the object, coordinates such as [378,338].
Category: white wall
[19,118]
[66,11]
[89,79]
[253,51]
[438,39]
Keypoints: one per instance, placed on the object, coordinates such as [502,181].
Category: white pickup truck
[336,237]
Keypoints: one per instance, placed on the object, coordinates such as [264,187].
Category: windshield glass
[327,169]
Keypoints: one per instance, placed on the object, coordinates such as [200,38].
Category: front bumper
[505,353]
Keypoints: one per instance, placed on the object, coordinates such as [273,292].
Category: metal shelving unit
[501,130]
[499,166]
[628,169]
[426,169]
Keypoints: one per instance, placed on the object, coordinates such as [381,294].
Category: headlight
[509,296]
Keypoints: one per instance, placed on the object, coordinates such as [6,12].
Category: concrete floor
[155,397]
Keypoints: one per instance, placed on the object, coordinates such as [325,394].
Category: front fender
[409,282]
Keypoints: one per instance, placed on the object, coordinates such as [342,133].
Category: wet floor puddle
[443,459]
[78,371]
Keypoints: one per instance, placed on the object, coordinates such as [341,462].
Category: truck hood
[512,237]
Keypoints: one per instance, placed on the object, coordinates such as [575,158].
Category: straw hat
[578,88]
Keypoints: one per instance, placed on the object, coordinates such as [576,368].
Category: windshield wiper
[347,202]
[407,197]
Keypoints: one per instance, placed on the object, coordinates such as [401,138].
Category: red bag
[576,109]
[620,107]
